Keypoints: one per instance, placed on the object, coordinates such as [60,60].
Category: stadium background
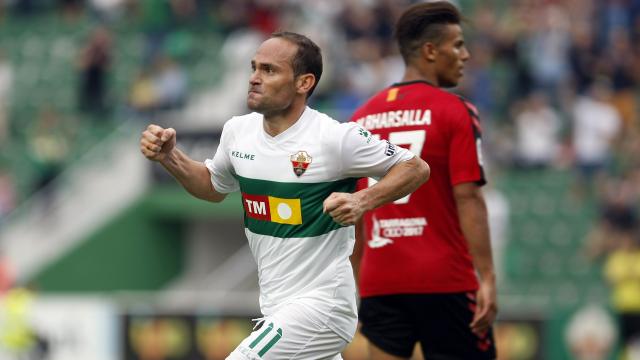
[104,257]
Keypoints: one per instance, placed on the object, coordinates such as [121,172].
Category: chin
[253,106]
[449,83]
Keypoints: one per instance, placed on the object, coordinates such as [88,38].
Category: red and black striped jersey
[416,245]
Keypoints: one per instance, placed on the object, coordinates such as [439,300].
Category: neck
[276,123]
[413,73]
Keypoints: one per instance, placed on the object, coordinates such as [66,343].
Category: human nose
[254,78]
[465,54]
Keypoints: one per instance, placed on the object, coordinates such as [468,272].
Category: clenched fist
[156,143]
[344,208]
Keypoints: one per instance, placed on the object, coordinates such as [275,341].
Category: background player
[296,169]
[418,271]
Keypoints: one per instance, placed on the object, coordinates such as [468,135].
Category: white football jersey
[301,253]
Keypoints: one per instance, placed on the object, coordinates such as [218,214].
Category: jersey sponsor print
[419,235]
[274,209]
[302,255]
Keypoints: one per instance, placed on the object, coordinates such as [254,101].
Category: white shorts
[290,334]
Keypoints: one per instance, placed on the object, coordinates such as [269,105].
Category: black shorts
[440,322]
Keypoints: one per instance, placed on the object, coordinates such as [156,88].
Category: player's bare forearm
[159,144]
[192,175]
[472,212]
[402,179]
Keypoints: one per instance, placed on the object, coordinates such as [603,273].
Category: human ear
[429,51]
[305,82]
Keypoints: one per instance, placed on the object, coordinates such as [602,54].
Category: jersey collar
[292,130]
[412,82]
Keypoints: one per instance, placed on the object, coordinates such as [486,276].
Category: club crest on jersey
[300,162]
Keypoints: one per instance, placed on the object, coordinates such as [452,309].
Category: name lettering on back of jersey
[391,119]
[241,155]
[300,162]
[272,209]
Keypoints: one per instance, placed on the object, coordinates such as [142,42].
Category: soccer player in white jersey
[296,169]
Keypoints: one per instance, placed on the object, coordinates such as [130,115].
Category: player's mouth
[253,94]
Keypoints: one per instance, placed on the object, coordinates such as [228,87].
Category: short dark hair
[308,59]
[423,23]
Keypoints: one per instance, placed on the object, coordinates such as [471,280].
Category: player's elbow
[215,197]
[206,192]
[426,171]
[417,172]
[423,171]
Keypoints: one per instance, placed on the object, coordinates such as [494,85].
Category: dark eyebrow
[270,65]
[264,65]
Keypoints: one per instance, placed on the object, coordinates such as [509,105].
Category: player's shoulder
[352,133]
[321,119]
[240,123]
[348,127]
[321,123]
[371,103]
[468,106]
[466,113]
[455,107]
[423,90]
[335,127]
[451,100]
[332,132]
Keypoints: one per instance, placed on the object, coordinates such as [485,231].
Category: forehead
[276,51]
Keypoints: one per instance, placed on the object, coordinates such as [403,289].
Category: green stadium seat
[560,234]
[547,233]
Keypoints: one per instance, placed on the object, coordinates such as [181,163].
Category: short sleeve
[364,155]
[465,153]
[220,167]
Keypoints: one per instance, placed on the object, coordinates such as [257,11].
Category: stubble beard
[256,106]
[260,108]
